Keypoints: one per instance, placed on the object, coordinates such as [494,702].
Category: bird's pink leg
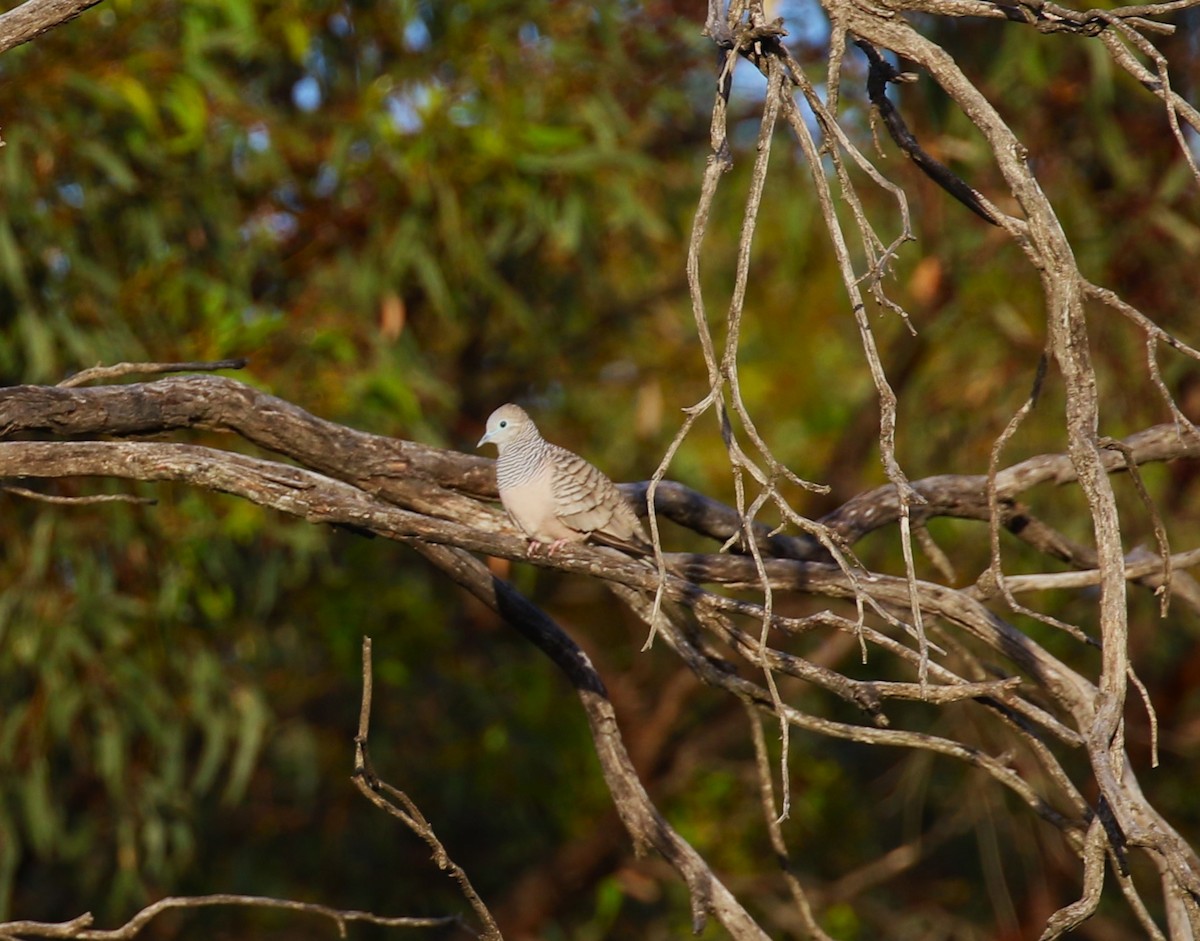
[534,546]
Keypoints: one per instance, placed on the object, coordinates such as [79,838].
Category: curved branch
[80,928]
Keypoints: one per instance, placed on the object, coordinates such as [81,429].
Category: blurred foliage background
[405,213]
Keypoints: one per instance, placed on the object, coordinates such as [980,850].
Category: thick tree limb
[431,479]
[641,818]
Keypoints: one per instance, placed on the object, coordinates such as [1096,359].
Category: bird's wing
[588,502]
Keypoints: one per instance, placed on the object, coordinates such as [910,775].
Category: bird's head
[506,424]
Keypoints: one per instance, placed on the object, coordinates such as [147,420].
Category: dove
[553,495]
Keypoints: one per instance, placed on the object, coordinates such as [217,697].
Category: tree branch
[80,928]
[34,17]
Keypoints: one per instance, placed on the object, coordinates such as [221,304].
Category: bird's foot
[534,546]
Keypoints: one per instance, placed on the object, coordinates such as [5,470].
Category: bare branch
[401,806]
[77,501]
[34,17]
[1059,580]
[118,370]
[80,928]
[643,821]
[1078,912]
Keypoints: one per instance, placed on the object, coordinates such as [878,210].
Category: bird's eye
[504,424]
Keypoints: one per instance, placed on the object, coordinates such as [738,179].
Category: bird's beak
[484,440]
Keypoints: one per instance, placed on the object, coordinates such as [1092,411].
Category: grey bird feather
[553,495]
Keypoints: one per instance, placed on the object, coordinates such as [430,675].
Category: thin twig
[1047,581]
[77,501]
[119,370]
[79,928]
[773,817]
[403,808]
